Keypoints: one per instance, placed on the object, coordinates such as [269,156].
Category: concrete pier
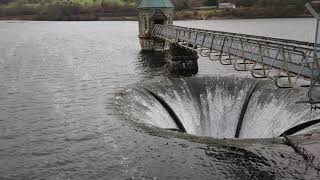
[182,61]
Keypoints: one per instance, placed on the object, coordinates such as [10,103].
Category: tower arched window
[146,23]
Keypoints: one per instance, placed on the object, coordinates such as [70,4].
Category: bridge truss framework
[287,62]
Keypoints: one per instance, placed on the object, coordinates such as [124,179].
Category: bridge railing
[288,60]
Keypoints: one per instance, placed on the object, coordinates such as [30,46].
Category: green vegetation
[68,9]
[211,3]
[266,8]
[96,9]
[250,9]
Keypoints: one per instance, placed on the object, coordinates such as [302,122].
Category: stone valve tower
[152,12]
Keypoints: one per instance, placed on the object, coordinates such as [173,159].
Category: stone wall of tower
[146,25]
[180,60]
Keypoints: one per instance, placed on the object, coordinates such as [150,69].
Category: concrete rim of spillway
[159,132]
[166,133]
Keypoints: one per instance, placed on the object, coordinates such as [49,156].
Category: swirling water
[57,83]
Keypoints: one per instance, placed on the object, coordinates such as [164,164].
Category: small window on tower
[159,21]
[146,23]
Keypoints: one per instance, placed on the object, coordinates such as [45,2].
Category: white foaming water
[145,109]
[212,106]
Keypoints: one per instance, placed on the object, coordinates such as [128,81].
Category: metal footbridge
[288,62]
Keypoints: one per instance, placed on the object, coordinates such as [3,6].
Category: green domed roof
[155,4]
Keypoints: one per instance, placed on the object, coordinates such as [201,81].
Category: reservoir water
[58,82]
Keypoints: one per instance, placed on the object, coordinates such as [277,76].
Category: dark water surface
[57,85]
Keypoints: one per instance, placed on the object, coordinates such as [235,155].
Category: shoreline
[134,18]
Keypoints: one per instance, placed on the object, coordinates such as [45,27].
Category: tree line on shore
[248,9]
[68,9]
[266,8]
[93,9]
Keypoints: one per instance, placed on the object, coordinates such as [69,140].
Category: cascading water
[219,107]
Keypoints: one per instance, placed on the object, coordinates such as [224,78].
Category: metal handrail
[248,36]
[286,56]
[252,38]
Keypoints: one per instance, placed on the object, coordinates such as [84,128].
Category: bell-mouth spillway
[218,107]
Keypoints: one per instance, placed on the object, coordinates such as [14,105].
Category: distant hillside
[68,9]
[5,1]
[178,3]
[79,9]
[249,9]
[126,9]
[82,2]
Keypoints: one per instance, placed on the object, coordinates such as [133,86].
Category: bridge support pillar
[182,60]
